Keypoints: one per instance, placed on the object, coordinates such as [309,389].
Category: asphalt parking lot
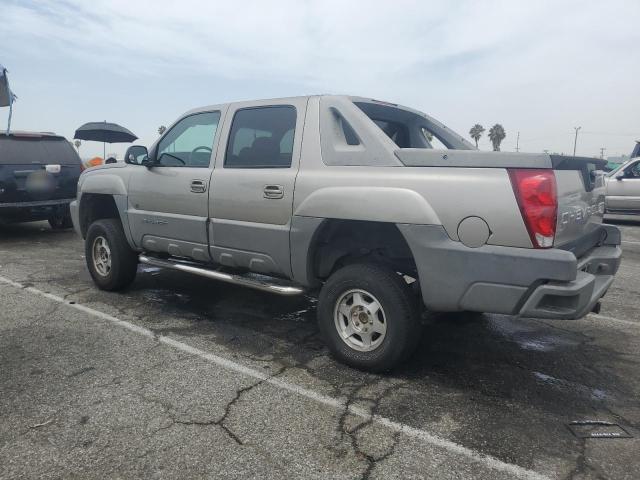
[182,377]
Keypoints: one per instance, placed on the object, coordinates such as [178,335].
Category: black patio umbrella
[104,132]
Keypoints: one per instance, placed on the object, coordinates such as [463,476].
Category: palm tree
[161,129]
[496,135]
[476,132]
[77,143]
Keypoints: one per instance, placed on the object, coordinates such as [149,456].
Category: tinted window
[189,142]
[37,150]
[396,131]
[286,143]
[261,138]
[633,171]
[408,129]
[434,142]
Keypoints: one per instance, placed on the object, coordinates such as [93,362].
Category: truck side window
[633,171]
[189,142]
[434,141]
[261,137]
[396,131]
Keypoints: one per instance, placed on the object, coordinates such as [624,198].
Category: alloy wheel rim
[360,320]
[101,256]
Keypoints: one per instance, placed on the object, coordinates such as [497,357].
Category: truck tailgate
[581,192]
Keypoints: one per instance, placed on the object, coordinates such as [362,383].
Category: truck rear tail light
[537,197]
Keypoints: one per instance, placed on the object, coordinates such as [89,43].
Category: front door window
[189,142]
[633,171]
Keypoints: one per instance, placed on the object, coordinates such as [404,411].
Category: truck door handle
[198,186]
[273,191]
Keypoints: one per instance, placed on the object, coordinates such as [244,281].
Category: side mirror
[620,176]
[136,155]
[147,162]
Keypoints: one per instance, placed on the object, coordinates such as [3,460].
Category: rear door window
[261,137]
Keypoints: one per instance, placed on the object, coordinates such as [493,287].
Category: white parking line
[337,403]
[613,319]
[630,242]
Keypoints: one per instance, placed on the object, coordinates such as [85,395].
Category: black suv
[38,178]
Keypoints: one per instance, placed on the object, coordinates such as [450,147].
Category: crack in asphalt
[343,429]
[581,463]
[583,468]
[169,410]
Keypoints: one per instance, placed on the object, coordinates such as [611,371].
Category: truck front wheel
[111,262]
[368,317]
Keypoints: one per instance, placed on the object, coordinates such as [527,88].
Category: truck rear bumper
[575,299]
[516,281]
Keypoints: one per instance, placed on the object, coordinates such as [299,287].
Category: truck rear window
[37,150]
[408,129]
[396,131]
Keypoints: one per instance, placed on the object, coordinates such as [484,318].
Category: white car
[623,186]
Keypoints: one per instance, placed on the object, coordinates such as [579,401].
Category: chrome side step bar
[255,283]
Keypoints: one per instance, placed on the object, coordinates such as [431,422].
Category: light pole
[518,142]
[575,140]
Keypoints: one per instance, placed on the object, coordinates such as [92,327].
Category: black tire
[402,319]
[123,260]
[61,220]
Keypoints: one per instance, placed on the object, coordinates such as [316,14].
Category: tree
[496,135]
[77,143]
[476,132]
[161,129]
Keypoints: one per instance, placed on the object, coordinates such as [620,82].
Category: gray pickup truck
[347,196]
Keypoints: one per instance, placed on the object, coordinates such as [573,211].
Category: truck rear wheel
[111,262]
[368,317]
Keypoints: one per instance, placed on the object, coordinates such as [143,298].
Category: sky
[539,67]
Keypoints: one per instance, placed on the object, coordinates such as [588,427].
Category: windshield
[618,168]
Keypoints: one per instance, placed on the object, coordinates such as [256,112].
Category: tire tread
[381,281]
[124,261]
